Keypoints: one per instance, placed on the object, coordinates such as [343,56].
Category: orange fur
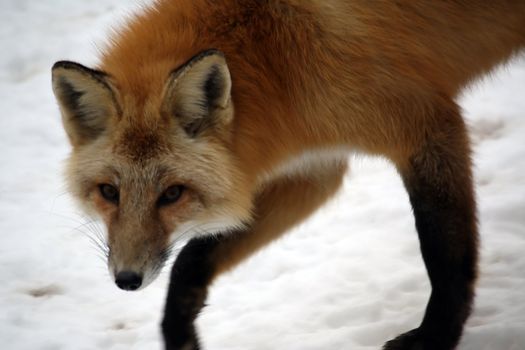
[314,73]
[310,79]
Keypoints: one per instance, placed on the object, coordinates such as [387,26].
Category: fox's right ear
[86,100]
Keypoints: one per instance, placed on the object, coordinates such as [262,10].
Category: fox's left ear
[198,94]
[86,100]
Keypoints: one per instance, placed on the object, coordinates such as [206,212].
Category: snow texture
[349,278]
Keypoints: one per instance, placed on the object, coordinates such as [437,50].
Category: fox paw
[182,344]
[416,340]
[406,341]
[191,345]
[180,338]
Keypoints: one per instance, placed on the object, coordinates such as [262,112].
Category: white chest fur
[307,164]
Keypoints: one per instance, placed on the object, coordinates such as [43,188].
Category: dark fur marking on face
[139,145]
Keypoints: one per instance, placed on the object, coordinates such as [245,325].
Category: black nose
[128,280]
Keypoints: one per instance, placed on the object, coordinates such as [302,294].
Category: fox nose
[128,280]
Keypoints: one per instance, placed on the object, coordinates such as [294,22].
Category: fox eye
[171,195]
[109,192]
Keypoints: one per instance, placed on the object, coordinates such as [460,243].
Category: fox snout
[134,266]
[134,274]
[136,253]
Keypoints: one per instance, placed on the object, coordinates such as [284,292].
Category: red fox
[228,122]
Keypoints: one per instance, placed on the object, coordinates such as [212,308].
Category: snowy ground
[350,278]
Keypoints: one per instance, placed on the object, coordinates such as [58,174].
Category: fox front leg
[281,205]
[190,276]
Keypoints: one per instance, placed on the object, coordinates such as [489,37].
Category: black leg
[281,205]
[190,276]
[438,180]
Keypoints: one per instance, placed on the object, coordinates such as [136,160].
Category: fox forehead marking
[139,144]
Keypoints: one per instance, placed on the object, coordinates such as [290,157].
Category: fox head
[157,168]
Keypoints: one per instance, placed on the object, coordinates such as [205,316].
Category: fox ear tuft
[85,98]
[199,93]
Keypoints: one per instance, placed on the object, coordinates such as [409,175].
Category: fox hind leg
[438,179]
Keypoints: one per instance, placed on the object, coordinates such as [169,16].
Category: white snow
[350,278]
